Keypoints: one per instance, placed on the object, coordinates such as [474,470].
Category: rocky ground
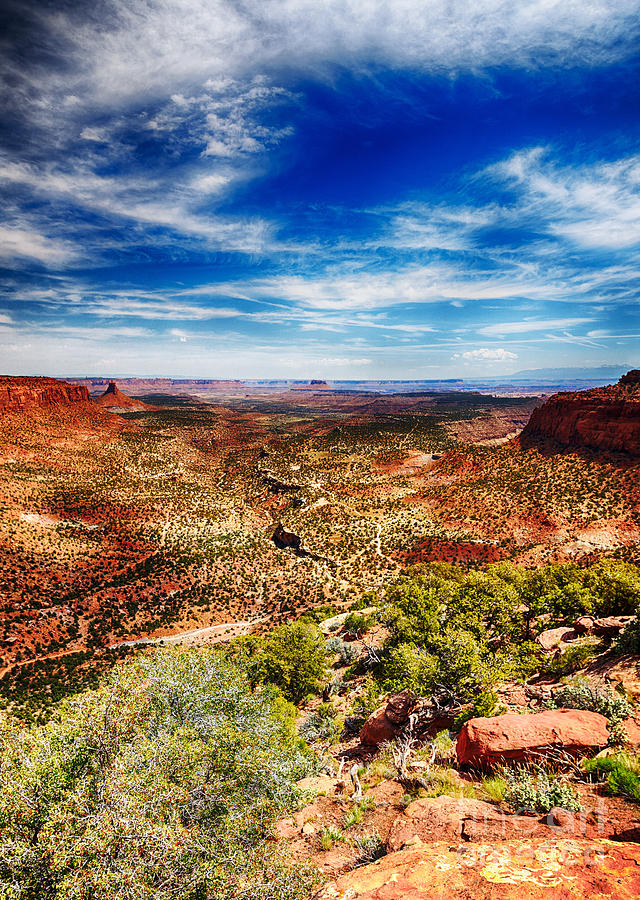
[408,805]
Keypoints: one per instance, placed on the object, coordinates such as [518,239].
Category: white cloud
[591,205]
[344,361]
[486,354]
[137,199]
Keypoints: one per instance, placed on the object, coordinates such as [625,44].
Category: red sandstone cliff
[606,418]
[21,394]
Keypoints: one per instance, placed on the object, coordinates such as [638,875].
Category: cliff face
[23,394]
[605,418]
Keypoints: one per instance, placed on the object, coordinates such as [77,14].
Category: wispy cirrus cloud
[23,243]
[530,325]
[592,205]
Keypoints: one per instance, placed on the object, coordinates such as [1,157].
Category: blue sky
[347,188]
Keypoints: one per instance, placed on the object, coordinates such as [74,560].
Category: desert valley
[415,570]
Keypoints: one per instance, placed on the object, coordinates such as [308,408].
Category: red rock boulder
[485,742]
[388,721]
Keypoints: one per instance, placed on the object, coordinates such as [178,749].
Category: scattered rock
[584,624]
[486,741]
[387,721]
[560,818]
[512,870]
[611,626]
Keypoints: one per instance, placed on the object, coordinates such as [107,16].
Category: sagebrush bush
[536,789]
[579,694]
[346,652]
[321,725]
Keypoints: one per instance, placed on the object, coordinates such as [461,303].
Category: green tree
[294,658]
[161,784]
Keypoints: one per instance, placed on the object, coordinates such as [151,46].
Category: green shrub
[495,787]
[357,623]
[328,837]
[536,789]
[319,614]
[621,772]
[484,705]
[407,666]
[578,694]
[628,641]
[574,658]
[442,781]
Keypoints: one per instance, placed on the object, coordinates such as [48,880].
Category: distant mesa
[23,394]
[115,401]
[313,385]
[606,418]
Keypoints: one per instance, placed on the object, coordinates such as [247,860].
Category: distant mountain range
[575,373]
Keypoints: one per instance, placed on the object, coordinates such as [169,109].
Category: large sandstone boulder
[388,721]
[486,741]
[552,638]
[452,819]
[536,869]
[285,539]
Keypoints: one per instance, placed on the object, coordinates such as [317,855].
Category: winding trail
[188,637]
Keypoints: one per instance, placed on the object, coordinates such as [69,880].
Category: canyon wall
[606,418]
[21,394]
